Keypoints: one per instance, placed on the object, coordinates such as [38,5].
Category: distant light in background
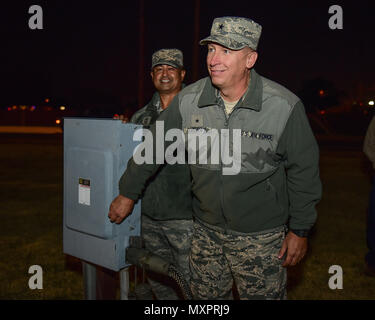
[371,103]
[32,108]
[46,100]
[58,121]
[14,107]
[9,109]
[62,107]
[23,107]
[321,92]
[323,112]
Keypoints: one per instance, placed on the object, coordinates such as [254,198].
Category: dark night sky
[90,48]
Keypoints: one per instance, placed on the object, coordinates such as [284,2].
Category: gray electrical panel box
[96,153]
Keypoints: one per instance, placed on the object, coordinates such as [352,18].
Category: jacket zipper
[226,124]
[221,173]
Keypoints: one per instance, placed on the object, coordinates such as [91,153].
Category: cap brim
[174,65]
[223,41]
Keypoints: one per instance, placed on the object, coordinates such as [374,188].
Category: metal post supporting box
[96,152]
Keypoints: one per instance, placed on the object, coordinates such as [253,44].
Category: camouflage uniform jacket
[168,193]
[279,178]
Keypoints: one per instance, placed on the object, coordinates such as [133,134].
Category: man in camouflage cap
[166,202]
[252,224]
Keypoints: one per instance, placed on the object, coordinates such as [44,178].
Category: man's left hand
[295,248]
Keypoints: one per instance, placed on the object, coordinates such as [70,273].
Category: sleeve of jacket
[135,177]
[369,143]
[301,156]
[136,116]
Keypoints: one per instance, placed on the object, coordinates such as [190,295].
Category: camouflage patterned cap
[171,57]
[234,33]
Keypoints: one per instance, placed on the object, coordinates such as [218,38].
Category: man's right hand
[120,208]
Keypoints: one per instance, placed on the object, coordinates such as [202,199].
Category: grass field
[31,226]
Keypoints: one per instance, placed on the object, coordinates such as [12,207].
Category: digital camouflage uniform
[253,263]
[166,202]
[240,219]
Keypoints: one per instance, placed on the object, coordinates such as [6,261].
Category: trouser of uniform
[170,239]
[219,257]
[370,232]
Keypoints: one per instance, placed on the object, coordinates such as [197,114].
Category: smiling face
[228,68]
[167,79]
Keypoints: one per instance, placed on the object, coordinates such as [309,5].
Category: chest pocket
[258,153]
[146,121]
[148,118]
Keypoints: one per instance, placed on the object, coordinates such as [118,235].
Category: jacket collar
[154,104]
[252,98]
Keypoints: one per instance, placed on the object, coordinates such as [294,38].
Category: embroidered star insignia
[221,27]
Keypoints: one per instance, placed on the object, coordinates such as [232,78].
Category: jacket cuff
[303,233]
[129,195]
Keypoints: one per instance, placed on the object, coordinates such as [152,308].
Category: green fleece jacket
[278,180]
[167,195]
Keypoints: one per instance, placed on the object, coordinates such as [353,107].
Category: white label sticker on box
[84,191]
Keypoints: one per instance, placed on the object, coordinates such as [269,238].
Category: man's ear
[251,59]
[152,75]
[182,74]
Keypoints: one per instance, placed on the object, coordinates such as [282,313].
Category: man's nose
[165,72]
[214,59]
